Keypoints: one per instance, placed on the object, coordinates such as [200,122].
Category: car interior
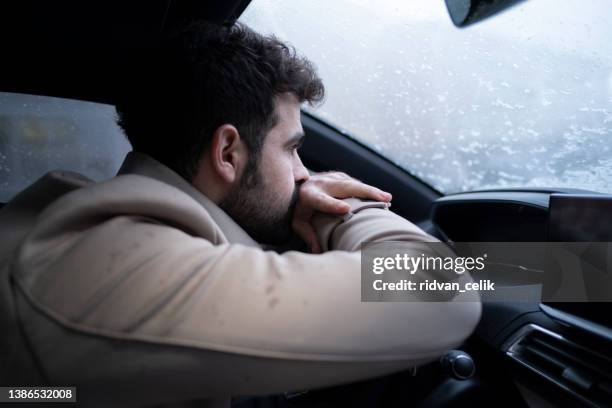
[527,353]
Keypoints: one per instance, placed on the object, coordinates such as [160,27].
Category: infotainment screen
[583,218]
[580,218]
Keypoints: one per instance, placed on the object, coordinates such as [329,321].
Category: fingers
[325,203]
[353,185]
[324,193]
[355,188]
[340,185]
[337,175]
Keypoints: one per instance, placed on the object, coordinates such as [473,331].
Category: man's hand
[323,192]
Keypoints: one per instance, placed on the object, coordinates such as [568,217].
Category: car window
[39,134]
[521,99]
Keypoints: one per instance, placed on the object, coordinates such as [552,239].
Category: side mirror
[466,12]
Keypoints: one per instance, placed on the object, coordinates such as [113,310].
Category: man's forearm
[368,221]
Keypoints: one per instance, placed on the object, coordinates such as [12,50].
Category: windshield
[523,99]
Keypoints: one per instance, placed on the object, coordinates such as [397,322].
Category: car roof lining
[79,49]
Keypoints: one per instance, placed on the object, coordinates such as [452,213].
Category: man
[154,287]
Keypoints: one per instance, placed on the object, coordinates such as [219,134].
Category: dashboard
[555,352]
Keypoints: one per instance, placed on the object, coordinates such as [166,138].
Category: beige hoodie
[139,290]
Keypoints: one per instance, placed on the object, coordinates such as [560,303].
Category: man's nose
[300,173]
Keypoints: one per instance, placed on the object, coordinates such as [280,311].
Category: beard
[259,210]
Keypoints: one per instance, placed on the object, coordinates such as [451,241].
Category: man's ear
[227,153]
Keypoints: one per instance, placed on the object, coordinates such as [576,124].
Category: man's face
[264,198]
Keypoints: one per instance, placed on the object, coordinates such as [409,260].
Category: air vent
[581,370]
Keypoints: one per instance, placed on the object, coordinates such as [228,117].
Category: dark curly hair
[203,77]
